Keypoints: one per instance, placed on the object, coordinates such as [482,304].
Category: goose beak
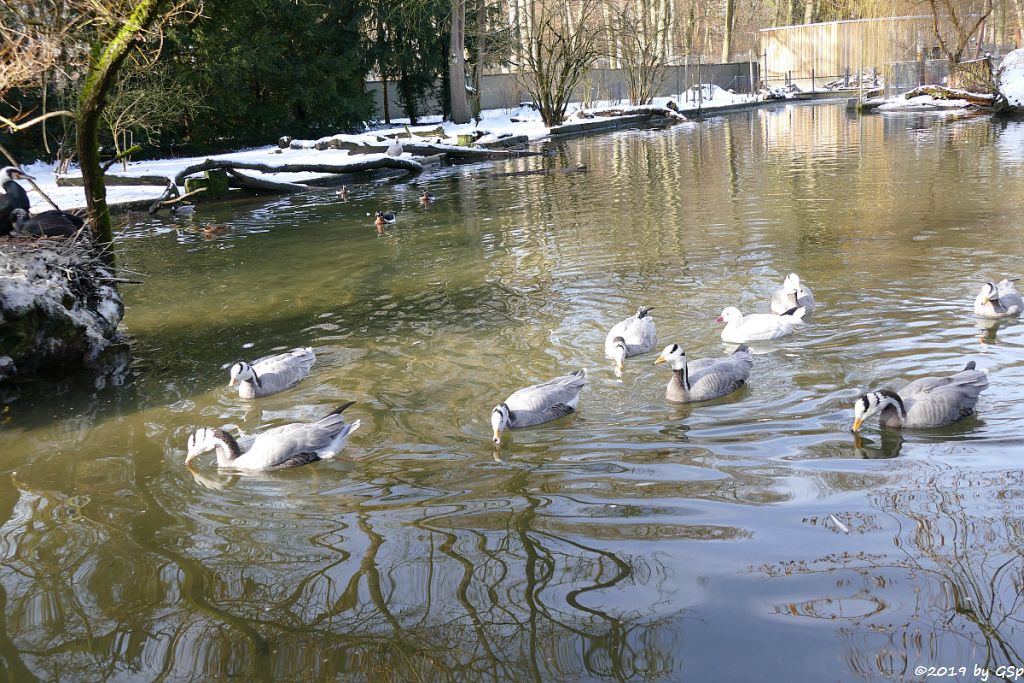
[857,424]
[660,359]
[497,437]
[719,319]
[189,458]
[231,383]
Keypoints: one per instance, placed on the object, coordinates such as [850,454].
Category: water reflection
[888,445]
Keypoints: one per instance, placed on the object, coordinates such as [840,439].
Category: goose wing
[284,370]
[298,443]
[935,401]
[1009,298]
[547,401]
[782,301]
[640,335]
[714,377]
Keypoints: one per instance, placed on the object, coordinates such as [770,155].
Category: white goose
[998,301]
[395,148]
[705,378]
[539,403]
[271,374]
[287,446]
[927,402]
[792,294]
[740,328]
[633,336]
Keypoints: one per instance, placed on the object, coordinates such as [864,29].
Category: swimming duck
[426,197]
[998,301]
[741,328]
[395,148]
[705,378]
[271,374]
[343,193]
[211,230]
[792,294]
[539,403]
[182,210]
[385,217]
[927,402]
[53,223]
[14,196]
[286,446]
[631,337]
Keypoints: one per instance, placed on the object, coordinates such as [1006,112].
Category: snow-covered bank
[494,125]
[1010,76]
[58,304]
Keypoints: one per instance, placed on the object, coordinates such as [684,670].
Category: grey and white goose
[927,402]
[998,301]
[13,198]
[705,378]
[272,374]
[286,446]
[632,337]
[539,403]
[792,294]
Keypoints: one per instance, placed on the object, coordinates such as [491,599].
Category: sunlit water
[753,538]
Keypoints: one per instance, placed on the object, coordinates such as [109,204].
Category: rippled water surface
[753,538]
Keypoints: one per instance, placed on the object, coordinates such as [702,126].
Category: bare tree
[955,23]
[561,46]
[640,37]
[457,63]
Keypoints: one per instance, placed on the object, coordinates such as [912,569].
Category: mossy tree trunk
[104,61]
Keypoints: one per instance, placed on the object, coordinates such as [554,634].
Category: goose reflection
[889,445]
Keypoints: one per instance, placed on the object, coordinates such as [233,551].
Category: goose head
[674,355]
[500,418]
[203,440]
[619,352]
[791,284]
[874,402]
[989,292]
[242,372]
[9,173]
[730,315]
[643,312]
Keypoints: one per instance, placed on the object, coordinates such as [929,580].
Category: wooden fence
[834,49]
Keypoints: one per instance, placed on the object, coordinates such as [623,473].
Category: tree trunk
[730,19]
[103,65]
[481,57]
[808,11]
[1019,7]
[387,105]
[457,63]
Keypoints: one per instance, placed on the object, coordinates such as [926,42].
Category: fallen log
[65,181]
[413,167]
[247,182]
[942,93]
[454,152]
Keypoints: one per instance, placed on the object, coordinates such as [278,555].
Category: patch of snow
[922,103]
[1010,77]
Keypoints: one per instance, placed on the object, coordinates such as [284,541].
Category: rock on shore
[59,305]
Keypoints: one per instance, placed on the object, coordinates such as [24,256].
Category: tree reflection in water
[468,591]
[959,541]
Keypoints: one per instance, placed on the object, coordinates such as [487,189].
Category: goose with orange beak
[927,402]
[538,404]
[631,337]
[705,378]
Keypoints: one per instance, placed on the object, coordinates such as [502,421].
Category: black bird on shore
[53,223]
[14,197]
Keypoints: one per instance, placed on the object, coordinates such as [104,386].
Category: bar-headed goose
[286,446]
[271,374]
[705,378]
[740,328]
[792,294]
[998,301]
[631,337]
[926,402]
[538,403]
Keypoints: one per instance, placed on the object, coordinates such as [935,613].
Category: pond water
[752,538]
